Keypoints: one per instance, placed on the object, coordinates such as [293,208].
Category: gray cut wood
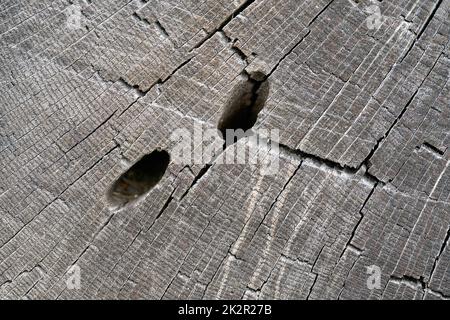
[352,200]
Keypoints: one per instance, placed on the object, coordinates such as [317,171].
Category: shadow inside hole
[241,112]
[139,179]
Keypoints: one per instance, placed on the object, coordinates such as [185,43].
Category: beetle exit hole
[241,112]
[139,179]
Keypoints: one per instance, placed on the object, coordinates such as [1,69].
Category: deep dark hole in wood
[242,110]
[140,178]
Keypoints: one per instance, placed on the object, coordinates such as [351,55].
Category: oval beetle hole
[247,100]
[139,179]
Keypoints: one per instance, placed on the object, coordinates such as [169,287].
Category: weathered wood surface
[363,178]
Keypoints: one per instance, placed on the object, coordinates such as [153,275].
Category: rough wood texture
[364,175]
